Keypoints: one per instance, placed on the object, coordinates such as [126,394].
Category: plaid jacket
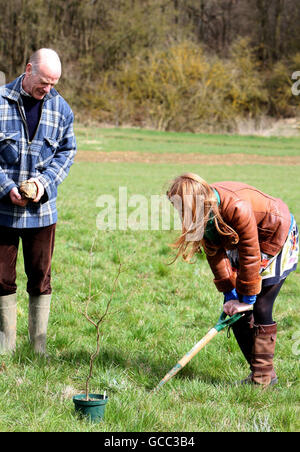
[48,156]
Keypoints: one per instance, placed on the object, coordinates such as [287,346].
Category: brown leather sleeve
[244,223]
[224,276]
[239,215]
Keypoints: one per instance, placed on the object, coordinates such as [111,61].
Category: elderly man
[37,143]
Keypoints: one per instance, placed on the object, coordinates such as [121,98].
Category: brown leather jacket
[262,224]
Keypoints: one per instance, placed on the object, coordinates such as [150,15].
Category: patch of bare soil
[201,159]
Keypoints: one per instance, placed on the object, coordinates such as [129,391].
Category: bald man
[37,143]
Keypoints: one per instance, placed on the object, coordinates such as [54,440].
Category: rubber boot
[38,315]
[263,372]
[8,323]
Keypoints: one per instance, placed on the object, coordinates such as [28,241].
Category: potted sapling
[90,405]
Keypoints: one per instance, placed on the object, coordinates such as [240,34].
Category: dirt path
[213,159]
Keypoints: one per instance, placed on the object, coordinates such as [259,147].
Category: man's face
[39,84]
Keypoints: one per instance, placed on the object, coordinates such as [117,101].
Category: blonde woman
[251,243]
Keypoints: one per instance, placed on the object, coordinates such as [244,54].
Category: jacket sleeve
[6,184]
[60,165]
[244,223]
[224,276]
[240,216]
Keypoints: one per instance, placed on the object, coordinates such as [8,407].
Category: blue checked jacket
[48,156]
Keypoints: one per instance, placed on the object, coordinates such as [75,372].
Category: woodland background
[184,65]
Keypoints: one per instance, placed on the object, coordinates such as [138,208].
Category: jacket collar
[12,91]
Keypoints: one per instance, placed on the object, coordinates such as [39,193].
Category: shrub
[181,88]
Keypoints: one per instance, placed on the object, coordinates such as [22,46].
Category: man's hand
[232,307]
[16,198]
[40,188]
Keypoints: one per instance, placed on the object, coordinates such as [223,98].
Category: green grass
[162,311]
[98,139]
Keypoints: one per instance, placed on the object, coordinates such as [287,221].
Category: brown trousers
[38,246]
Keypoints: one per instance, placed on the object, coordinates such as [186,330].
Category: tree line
[108,47]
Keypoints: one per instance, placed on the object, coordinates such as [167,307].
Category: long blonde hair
[189,189]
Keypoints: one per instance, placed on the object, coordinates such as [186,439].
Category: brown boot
[263,372]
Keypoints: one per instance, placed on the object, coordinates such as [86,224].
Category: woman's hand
[232,307]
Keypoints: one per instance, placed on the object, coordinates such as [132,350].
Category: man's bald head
[45,59]
[42,72]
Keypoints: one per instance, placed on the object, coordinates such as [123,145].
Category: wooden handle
[205,340]
[188,356]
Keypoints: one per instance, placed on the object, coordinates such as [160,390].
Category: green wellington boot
[38,315]
[8,323]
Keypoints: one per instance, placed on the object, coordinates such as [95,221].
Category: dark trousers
[38,246]
[263,307]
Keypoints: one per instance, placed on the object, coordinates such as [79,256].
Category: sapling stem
[97,323]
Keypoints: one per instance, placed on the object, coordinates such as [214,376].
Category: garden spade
[220,325]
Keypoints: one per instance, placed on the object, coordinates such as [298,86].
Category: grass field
[161,142]
[159,311]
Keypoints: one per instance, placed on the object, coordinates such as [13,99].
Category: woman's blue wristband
[249,299]
[232,295]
